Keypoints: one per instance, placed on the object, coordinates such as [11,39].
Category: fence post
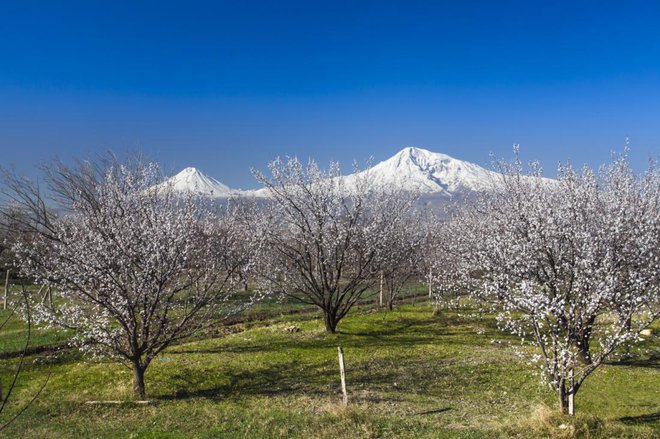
[6,290]
[342,372]
[430,283]
[380,297]
[571,393]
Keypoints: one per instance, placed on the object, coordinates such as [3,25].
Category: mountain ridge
[412,169]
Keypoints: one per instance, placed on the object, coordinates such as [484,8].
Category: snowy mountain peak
[418,169]
[419,154]
[189,171]
[418,157]
[191,180]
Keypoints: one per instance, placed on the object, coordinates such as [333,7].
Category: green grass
[410,373]
[13,335]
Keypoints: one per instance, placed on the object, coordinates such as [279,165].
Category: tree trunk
[583,354]
[584,351]
[43,298]
[138,381]
[331,321]
[390,296]
[627,324]
[582,339]
[563,398]
[566,399]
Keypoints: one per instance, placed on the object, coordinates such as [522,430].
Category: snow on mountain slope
[427,172]
[191,180]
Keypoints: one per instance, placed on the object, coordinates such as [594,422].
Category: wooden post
[6,290]
[430,283]
[380,299]
[571,394]
[342,372]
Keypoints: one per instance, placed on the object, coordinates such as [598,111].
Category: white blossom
[572,265]
[133,266]
[325,239]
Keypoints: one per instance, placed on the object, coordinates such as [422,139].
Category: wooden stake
[571,394]
[6,290]
[380,300]
[430,283]
[342,372]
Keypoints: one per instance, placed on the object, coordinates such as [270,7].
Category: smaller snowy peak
[191,180]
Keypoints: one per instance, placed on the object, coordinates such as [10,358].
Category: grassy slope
[410,374]
[12,335]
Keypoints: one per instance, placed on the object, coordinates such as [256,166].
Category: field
[411,372]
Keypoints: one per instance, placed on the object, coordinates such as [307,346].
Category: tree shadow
[652,362]
[391,338]
[278,379]
[288,376]
[641,419]
[432,412]
[402,333]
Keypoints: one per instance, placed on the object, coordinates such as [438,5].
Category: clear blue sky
[229,84]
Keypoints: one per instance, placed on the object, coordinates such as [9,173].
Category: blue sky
[223,86]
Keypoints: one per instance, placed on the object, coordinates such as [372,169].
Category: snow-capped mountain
[433,175]
[430,173]
[191,180]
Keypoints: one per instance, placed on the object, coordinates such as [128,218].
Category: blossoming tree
[572,265]
[325,235]
[134,266]
[402,256]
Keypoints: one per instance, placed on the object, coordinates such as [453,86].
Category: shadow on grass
[641,419]
[417,332]
[433,412]
[274,380]
[295,378]
[653,362]
[378,373]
